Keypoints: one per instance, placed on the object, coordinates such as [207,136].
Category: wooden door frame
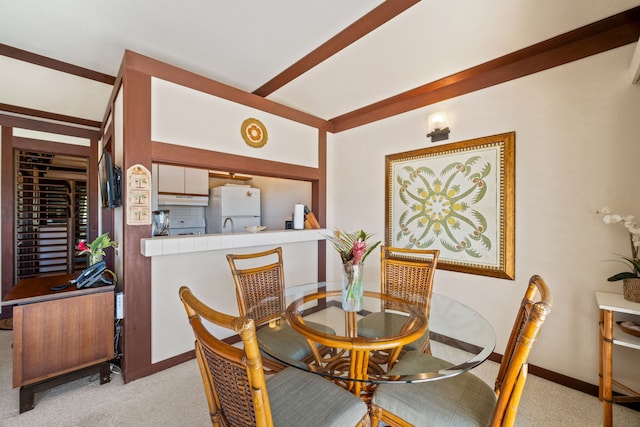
[7,186]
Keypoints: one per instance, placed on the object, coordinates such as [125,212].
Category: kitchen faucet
[224,225]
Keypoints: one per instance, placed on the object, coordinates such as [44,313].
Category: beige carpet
[175,397]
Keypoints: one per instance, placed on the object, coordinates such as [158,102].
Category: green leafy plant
[634,237]
[352,247]
[96,248]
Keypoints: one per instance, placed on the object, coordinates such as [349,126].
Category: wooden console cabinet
[59,335]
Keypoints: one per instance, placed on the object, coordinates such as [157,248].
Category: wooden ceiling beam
[42,126]
[49,116]
[360,28]
[609,33]
[54,64]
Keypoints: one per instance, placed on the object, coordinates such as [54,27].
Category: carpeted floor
[175,397]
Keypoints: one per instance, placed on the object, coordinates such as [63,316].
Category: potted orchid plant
[353,248]
[630,278]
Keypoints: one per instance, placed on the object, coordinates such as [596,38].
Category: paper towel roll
[298,217]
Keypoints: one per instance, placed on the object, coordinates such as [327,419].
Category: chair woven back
[512,375]
[408,274]
[259,289]
[233,378]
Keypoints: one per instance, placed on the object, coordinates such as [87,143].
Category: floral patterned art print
[457,198]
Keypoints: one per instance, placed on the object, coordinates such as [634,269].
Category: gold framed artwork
[458,198]
[254,132]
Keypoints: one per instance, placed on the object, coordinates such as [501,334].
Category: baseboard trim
[567,381]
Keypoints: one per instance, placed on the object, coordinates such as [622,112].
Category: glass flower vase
[94,258]
[352,289]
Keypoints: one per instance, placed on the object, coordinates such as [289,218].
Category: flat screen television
[111,182]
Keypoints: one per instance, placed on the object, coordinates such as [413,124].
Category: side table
[610,334]
[59,336]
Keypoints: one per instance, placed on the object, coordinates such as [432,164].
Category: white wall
[577,149]
[278,198]
[184,116]
[208,275]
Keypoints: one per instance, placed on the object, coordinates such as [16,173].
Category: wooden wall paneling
[136,280]
[319,201]
[7,189]
[196,157]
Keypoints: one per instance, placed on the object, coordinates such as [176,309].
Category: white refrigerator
[231,208]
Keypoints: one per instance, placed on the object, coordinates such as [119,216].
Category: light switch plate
[119,305]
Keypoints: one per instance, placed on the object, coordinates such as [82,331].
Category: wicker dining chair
[406,274]
[260,296]
[238,393]
[466,400]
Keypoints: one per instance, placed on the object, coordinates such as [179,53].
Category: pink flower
[359,248]
[82,246]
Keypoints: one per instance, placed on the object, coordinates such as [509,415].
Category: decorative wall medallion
[254,133]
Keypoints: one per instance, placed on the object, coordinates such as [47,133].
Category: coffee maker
[160,223]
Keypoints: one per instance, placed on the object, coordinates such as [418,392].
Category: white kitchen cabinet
[182,180]
[196,181]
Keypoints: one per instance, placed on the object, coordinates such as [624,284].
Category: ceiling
[246,43]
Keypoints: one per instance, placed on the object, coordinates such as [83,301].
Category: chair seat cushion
[385,324]
[300,398]
[283,340]
[462,400]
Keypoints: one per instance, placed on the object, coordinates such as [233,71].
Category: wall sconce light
[438,124]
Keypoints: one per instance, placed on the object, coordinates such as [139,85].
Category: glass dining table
[459,337]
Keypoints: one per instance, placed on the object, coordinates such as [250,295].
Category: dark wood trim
[319,202]
[136,268]
[11,143]
[22,143]
[107,138]
[360,28]
[610,33]
[136,83]
[152,67]
[7,189]
[47,115]
[34,124]
[185,156]
[54,64]
[555,377]
[117,86]
[167,363]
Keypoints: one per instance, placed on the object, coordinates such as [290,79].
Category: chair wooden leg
[375,413]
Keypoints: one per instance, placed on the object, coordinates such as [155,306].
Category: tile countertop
[170,245]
